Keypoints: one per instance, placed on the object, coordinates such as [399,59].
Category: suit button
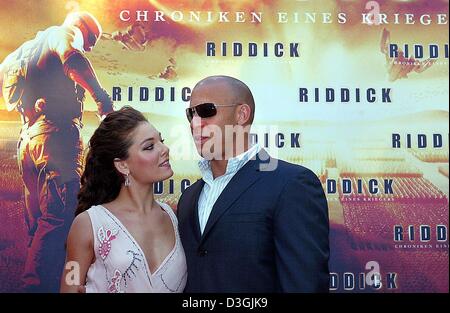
[202,252]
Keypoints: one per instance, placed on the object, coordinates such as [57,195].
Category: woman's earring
[127,180]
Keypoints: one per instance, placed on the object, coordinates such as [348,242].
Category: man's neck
[219,167]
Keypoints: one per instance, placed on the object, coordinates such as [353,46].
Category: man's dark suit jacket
[267,232]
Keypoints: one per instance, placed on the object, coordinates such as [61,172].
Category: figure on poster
[247,225]
[122,239]
[135,37]
[45,80]
[400,66]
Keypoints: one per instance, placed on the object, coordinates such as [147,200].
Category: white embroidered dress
[120,264]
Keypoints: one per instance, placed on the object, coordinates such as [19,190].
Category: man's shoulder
[55,34]
[286,169]
[63,31]
[64,40]
[191,188]
[199,181]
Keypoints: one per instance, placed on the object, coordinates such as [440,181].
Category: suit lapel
[240,182]
[197,189]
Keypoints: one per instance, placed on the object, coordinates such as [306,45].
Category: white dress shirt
[214,187]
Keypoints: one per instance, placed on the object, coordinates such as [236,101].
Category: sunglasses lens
[205,110]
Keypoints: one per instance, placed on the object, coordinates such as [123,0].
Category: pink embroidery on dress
[105,238]
[114,286]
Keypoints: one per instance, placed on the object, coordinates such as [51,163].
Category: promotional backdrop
[357,91]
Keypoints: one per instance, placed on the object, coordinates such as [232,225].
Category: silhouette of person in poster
[400,66]
[45,80]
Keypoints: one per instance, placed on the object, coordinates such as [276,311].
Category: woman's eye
[149,147]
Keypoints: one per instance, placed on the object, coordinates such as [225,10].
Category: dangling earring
[127,180]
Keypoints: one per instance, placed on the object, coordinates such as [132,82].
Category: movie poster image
[356,91]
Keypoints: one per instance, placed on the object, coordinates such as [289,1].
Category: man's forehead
[210,93]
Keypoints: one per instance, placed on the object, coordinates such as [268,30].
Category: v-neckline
[125,229]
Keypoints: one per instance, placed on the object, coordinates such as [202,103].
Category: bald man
[252,223]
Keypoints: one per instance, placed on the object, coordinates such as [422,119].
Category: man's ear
[121,166]
[244,113]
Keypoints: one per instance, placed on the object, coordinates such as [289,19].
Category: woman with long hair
[122,239]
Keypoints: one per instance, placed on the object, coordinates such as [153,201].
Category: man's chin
[206,154]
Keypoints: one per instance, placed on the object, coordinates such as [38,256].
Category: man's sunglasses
[205,110]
